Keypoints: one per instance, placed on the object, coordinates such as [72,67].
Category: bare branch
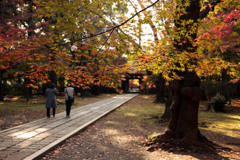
[105,41]
[123,23]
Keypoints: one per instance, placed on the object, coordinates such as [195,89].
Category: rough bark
[168,103]
[183,132]
[159,83]
[184,110]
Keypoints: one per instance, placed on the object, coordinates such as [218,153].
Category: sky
[147,34]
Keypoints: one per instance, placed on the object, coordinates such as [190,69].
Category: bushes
[19,89]
[211,89]
[218,103]
[14,89]
[6,89]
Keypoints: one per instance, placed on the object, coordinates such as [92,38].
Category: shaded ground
[122,135]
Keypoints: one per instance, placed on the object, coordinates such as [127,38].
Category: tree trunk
[184,110]
[61,85]
[1,85]
[125,84]
[226,90]
[183,132]
[159,89]
[28,90]
[44,88]
[29,93]
[168,103]
[166,114]
[53,77]
[186,92]
[95,89]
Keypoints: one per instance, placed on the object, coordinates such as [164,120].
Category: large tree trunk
[184,110]
[186,92]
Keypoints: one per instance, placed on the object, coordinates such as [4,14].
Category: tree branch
[104,42]
[121,23]
[209,7]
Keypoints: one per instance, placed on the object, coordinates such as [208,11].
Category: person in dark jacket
[69,98]
[51,99]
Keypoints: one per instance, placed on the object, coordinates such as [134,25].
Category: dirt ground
[118,137]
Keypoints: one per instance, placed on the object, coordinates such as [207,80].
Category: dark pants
[68,107]
[48,112]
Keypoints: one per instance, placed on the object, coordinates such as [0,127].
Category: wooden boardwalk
[31,140]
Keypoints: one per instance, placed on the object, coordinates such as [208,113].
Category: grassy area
[146,113]
[142,113]
[143,109]
[222,123]
[16,110]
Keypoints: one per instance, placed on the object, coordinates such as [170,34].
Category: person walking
[51,99]
[69,98]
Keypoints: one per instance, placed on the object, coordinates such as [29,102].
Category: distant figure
[69,98]
[51,99]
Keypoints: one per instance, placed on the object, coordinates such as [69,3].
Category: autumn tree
[219,39]
[16,36]
[91,64]
[180,60]
[184,110]
[36,39]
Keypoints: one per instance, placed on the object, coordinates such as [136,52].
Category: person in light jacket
[69,98]
[51,99]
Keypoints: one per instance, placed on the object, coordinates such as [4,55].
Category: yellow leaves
[32,85]
[233,73]
[210,66]
[44,81]
[234,34]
